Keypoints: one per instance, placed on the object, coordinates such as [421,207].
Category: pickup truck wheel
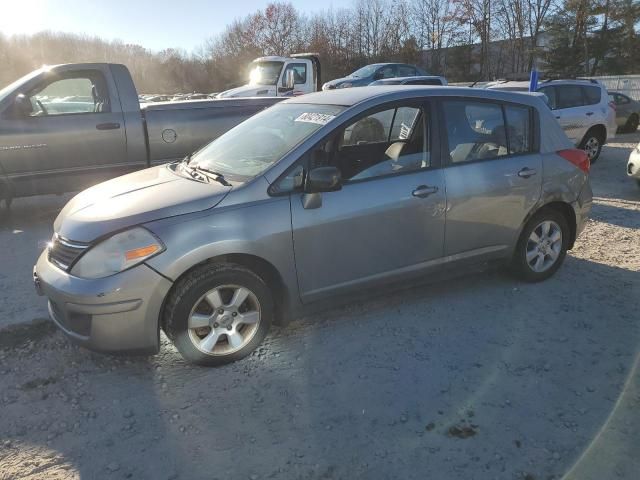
[542,246]
[218,314]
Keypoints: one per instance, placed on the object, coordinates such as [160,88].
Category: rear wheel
[592,144]
[632,123]
[218,314]
[542,246]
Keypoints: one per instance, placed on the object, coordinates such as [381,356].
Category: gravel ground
[480,377]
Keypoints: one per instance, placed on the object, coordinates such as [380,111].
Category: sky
[154,24]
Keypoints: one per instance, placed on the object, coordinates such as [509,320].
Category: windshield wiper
[217,176]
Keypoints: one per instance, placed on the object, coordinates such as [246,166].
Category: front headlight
[345,85]
[117,253]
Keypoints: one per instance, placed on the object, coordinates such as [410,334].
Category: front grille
[64,253]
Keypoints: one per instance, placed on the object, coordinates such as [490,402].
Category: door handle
[108,126]
[557,117]
[527,172]
[589,114]
[424,191]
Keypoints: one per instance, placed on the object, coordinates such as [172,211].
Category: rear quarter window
[591,95]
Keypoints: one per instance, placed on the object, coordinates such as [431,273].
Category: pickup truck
[67,127]
[276,76]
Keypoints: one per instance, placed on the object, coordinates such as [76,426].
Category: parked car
[67,127]
[581,107]
[627,111]
[276,76]
[417,80]
[370,73]
[633,165]
[318,196]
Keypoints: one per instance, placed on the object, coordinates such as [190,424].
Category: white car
[581,107]
[633,165]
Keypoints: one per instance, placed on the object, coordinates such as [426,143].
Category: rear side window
[482,130]
[406,71]
[518,128]
[568,96]
[591,95]
[475,130]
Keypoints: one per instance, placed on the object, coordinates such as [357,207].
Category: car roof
[352,96]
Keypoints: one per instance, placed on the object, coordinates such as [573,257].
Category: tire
[525,269]
[208,320]
[592,144]
[632,124]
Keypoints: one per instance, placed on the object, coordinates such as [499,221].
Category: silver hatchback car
[321,195]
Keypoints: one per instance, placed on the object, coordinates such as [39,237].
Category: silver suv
[321,195]
[582,108]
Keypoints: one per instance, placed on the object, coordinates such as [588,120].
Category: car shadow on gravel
[618,212]
[528,372]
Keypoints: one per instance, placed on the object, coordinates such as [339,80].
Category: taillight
[613,106]
[578,157]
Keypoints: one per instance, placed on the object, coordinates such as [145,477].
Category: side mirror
[323,179]
[377,75]
[22,106]
[290,79]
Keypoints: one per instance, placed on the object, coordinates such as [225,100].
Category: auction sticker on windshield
[319,118]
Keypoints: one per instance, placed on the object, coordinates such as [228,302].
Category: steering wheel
[42,107]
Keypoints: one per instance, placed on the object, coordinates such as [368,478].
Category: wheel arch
[600,130]
[561,206]
[258,265]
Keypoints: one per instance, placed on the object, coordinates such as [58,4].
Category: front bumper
[119,313]
[633,165]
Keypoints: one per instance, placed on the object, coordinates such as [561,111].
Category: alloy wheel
[544,246]
[224,320]
[592,147]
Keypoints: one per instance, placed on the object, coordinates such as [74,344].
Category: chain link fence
[627,84]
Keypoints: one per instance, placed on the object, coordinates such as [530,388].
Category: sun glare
[23,16]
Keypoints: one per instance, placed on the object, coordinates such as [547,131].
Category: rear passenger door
[493,175]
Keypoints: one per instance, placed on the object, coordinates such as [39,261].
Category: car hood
[249,91]
[133,199]
[355,81]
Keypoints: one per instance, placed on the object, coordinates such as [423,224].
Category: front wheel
[632,124]
[218,314]
[592,145]
[542,246]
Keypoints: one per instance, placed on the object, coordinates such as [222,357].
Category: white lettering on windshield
[319,118]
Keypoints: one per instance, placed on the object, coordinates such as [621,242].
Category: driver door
[72,138]
[387,221]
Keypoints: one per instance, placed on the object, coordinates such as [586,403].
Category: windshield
[265,73]
[364,72]
[12,86]
[253,146]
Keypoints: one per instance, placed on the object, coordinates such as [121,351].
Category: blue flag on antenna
[533,80]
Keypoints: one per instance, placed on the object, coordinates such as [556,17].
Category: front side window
[72,95]
[395,142]
[550,93]
[406,71]
[591,95]
[299,73]
[388,71]
[569,96]
[248,149]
